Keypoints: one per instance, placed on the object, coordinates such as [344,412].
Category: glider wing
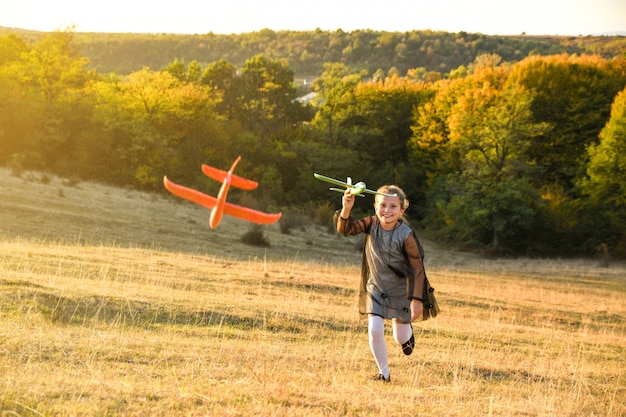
[332,181]
[251,215]
[358,188]
[237,181]
[190,194]
[209,202]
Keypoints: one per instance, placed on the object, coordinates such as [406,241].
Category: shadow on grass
[455,371]
[508,375]
[572,320]
[317,288]
[93,310]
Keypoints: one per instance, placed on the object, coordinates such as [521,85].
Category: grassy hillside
[114,302]
[43,207]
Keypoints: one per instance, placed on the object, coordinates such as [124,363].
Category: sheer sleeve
[416,261]
[349,226]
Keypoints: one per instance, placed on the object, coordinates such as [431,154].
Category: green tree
[12,49]
[221,78]
[430,139]
[606,177]
[266,97]
[17,112]
[574,95]
[55,66]
[607,163]
[486,195]
[184,72]
[380,120]
[336,93]
[157,124]
[47,88]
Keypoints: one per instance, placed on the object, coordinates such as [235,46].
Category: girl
[392,276]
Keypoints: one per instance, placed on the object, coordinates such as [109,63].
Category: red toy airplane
[219,206]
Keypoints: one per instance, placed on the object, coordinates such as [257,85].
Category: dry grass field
[120,303]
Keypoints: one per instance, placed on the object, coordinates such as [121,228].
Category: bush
[291,220]
[254,236]
[324,216]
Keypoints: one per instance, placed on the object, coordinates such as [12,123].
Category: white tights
[376,333]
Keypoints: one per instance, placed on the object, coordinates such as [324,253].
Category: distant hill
[612,33]
[307,51]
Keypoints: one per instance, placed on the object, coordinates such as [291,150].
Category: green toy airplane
[357,189]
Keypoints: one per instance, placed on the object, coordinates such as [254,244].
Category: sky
[489,17]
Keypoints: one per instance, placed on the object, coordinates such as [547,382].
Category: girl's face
[388,211]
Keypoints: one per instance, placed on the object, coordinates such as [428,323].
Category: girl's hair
[394,189]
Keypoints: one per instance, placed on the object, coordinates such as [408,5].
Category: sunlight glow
[491,17]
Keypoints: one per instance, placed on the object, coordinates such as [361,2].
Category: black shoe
[380,377]
[407,347]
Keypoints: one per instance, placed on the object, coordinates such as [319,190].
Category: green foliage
[381,118]
[188,73]
[43,110]
[335,89]
[307,51]
[478,141]
[606,175]
[11,49]
[607,164]
[493,215]
[265,96]
[221,78]
[574,95]
[488,195]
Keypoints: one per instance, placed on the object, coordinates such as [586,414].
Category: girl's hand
[348,199]
[417,310]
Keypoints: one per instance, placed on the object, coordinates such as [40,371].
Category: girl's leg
[402,332]
[376,334]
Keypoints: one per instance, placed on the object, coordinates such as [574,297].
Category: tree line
[516,158]
[305,52]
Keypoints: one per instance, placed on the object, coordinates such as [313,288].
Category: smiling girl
[392,276]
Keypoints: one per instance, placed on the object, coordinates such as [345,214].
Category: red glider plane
[219,206]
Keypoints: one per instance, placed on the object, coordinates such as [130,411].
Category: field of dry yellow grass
[120,303]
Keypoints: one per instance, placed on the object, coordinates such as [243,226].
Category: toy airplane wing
[357,188]
[190,194]
[334,181]
[236,181]
[345,185]
[209,202]
[251,215]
